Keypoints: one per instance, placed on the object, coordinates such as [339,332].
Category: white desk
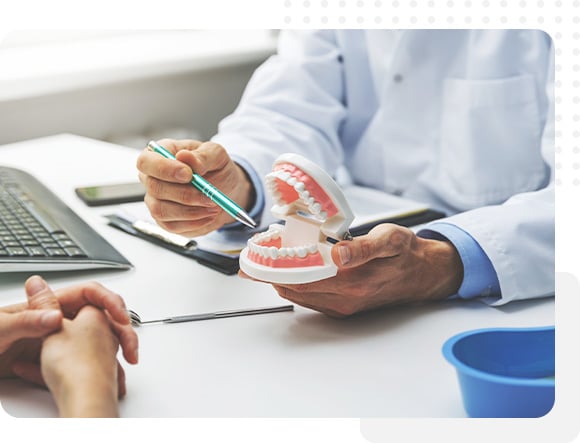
[292,364]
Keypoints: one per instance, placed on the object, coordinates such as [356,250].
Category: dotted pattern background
[561,19]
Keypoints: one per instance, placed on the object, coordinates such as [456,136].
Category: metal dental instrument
[136,319]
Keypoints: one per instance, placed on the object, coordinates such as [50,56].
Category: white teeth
[272,233]
[270,182]
[300,187]
[275,253]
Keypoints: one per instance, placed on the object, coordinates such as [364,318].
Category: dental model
[314,208]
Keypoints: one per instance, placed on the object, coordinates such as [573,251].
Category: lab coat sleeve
[479,277]
[518,236]
[294,101]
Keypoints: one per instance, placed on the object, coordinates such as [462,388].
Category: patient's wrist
[98,398]
[89,394]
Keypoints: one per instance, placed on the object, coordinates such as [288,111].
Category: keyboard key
[17,252]
[56,252]
[49,244]
[31,242]
[36,251]
[67,244]
[11,243]
[60,236]
[75,252]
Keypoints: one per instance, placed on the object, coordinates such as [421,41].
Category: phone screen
[111,194]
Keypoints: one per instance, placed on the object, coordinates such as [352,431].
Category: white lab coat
[459,119]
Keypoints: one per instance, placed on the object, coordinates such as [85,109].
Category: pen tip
[247,220]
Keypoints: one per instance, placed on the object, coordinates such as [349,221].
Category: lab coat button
[397,78]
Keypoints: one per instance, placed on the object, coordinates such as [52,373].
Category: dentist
[462,120]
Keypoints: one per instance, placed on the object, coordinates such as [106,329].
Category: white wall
[192,100]
[127,87]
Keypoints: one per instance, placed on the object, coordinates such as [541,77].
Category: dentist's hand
[174,203]
[388,266]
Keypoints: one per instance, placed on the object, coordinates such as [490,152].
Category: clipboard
[407,220]
[225,263]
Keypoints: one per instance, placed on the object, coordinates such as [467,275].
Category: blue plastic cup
[507,372]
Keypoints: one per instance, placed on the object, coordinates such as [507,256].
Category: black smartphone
[102,195]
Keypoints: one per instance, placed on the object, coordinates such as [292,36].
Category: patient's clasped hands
[67,340]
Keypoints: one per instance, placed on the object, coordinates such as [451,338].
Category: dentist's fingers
[385,240]
[154,165]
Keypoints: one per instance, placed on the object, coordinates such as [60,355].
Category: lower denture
[311,259]
[287,262]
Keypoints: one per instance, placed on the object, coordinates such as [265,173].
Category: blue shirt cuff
[258,208]
[479,276]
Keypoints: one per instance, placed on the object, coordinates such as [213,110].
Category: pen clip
[347,236]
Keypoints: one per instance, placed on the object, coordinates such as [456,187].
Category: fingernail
[36,284]
[344,254]
[183,174]
[50,319]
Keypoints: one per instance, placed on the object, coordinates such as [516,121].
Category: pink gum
[289,194]
[287,262]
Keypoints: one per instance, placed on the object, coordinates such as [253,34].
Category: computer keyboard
[38,232]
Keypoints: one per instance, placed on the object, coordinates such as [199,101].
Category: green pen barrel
[215,195]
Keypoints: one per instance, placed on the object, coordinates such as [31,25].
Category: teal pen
[209,190]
